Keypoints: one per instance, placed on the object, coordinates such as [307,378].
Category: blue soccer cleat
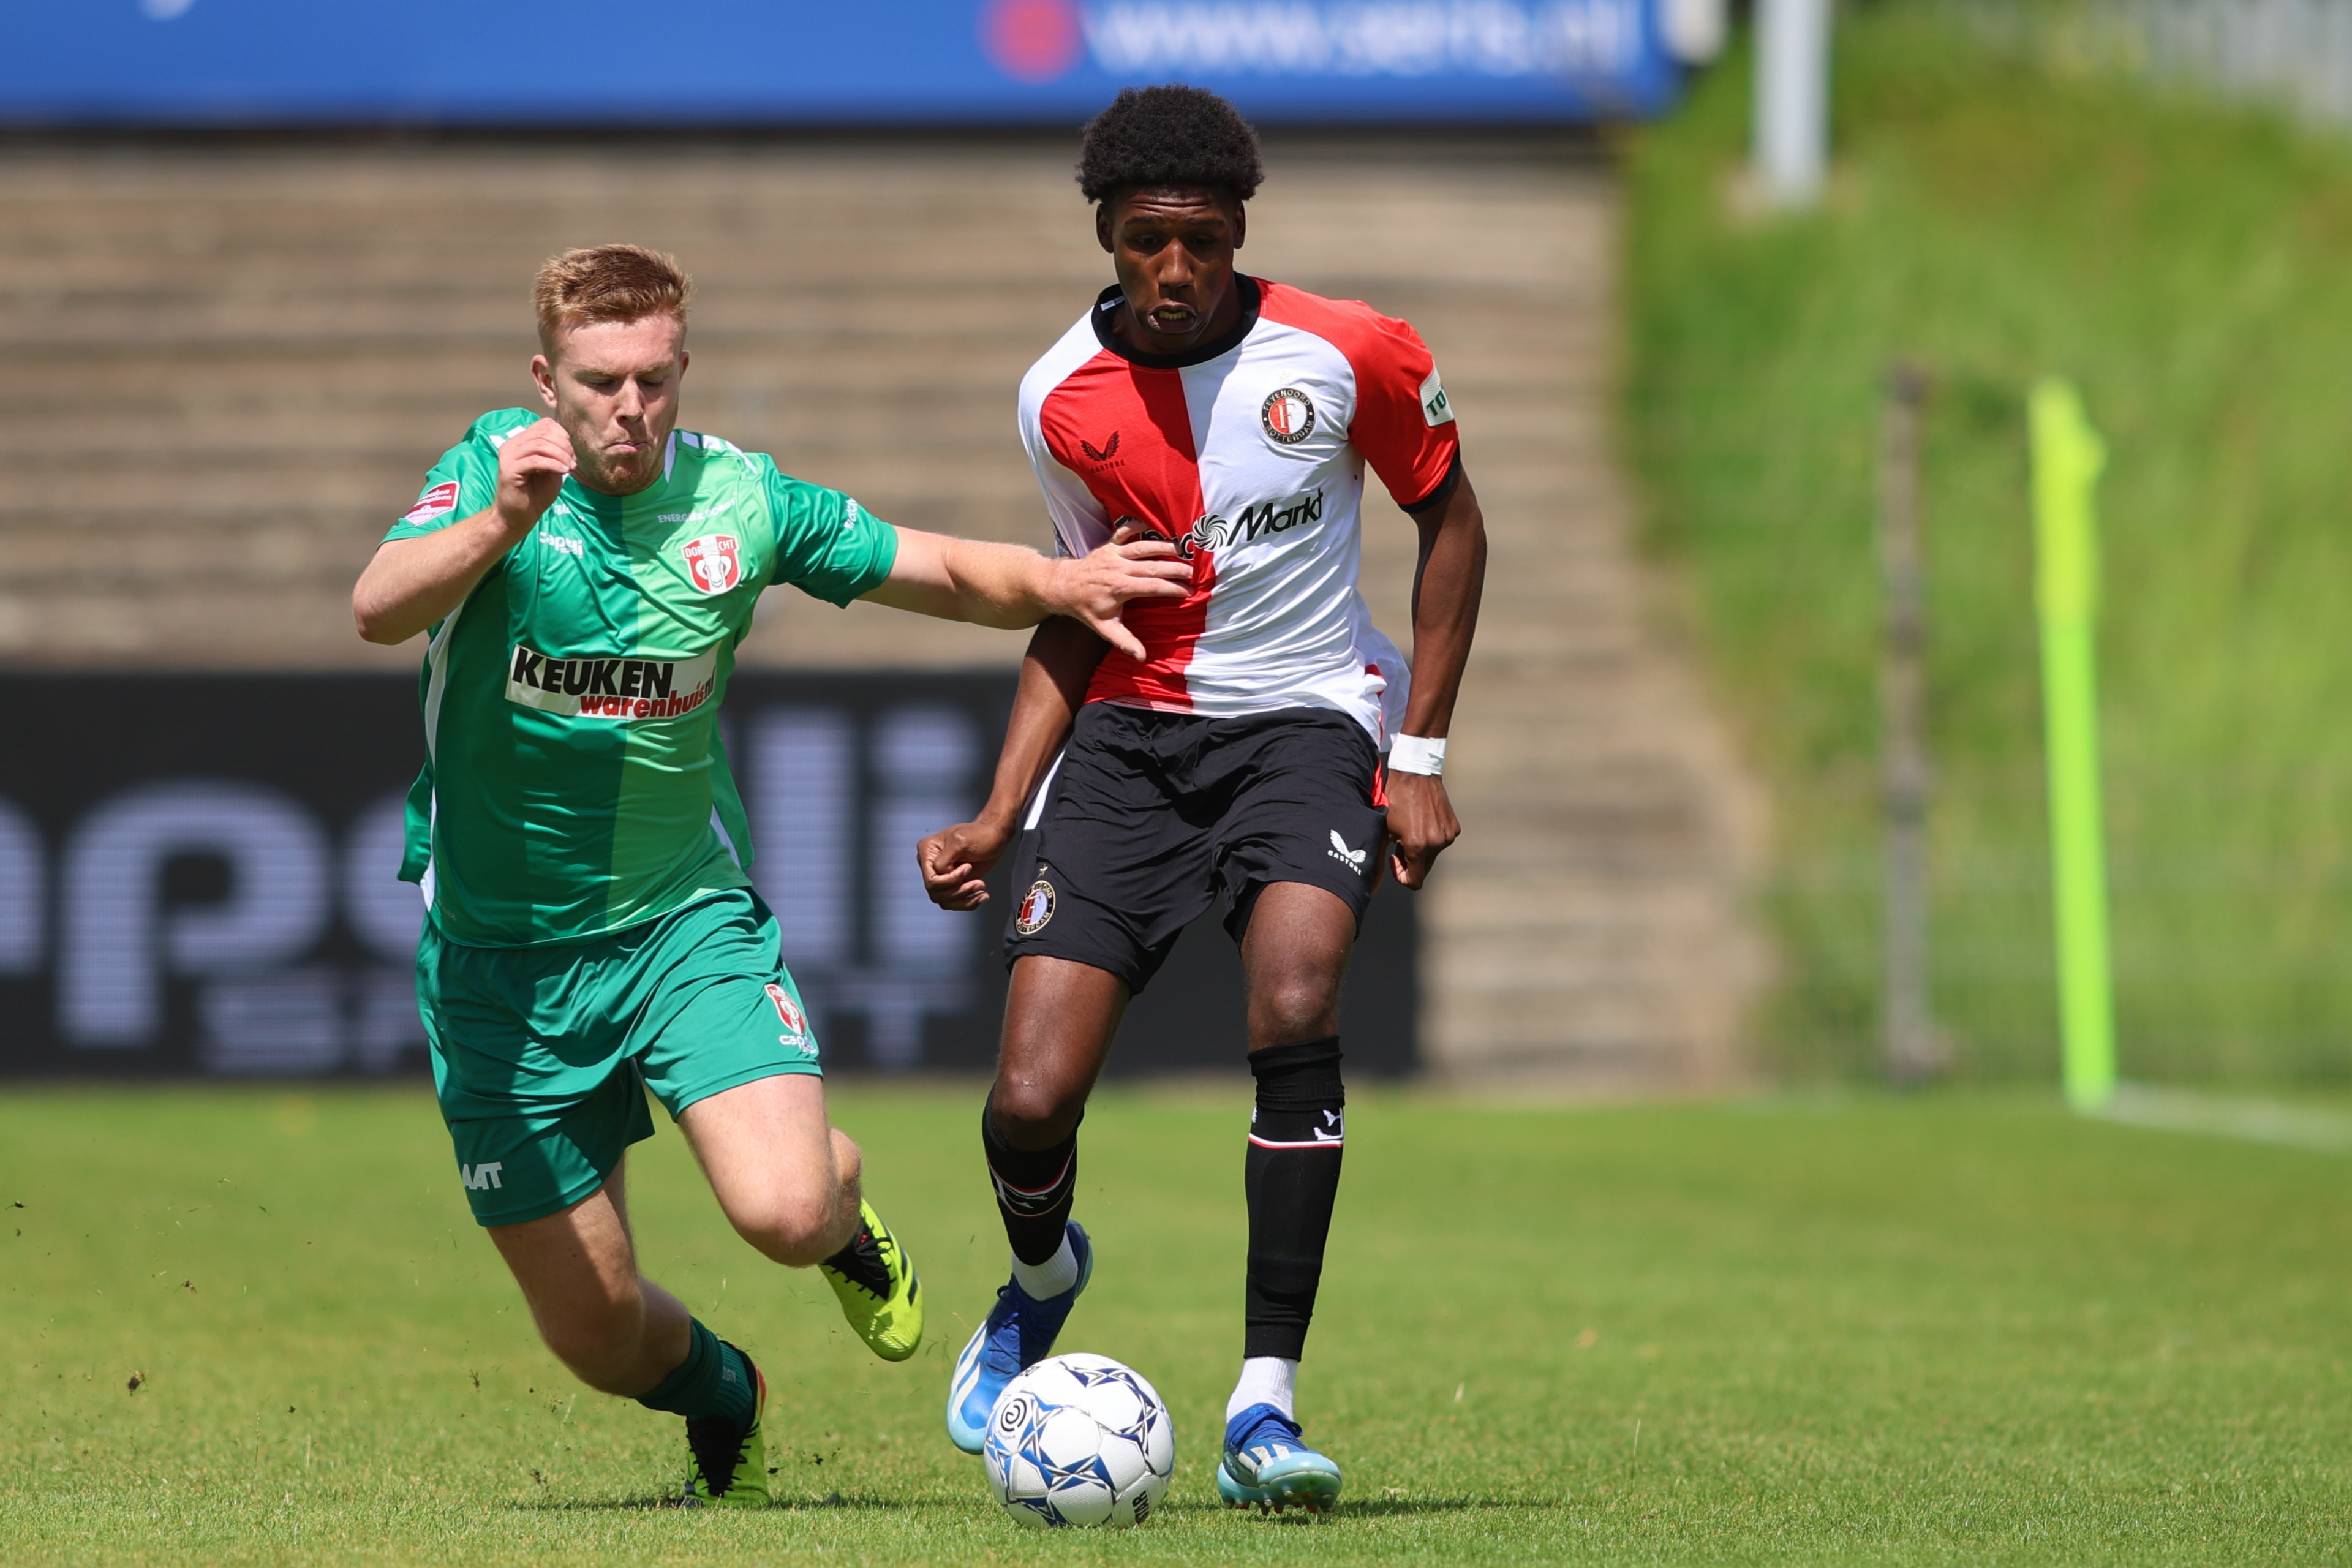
[1265,1466]
[1019,1333]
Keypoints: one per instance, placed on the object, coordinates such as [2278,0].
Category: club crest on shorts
[789,1011]
[1036,909]
[1288,416]
[712,563]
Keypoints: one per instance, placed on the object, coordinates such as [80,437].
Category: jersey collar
[1107,305]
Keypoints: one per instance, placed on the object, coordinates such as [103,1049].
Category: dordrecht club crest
[712,563]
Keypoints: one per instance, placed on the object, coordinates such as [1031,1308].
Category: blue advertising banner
[741,62]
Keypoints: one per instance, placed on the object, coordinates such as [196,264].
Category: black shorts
[1148,815]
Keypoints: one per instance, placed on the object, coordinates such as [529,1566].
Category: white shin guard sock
[1265,1380]
[1051,1278]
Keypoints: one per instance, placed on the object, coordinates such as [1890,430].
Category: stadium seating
[234,361]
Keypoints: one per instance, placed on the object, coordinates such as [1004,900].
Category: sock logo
[1300,1130]
[1031,1201]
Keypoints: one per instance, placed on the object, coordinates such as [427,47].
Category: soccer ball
[1079,1439]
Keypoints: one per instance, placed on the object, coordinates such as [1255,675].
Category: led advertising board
[750,62]
[198,876]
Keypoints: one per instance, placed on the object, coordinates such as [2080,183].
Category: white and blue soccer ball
[1079,1439]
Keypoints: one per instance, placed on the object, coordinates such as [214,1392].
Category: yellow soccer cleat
[731,1462]
[876,1286]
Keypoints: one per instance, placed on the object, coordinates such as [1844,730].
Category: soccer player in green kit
[592,932]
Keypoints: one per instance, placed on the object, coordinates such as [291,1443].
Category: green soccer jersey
[575,782]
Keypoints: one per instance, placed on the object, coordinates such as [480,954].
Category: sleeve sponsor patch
[1436,409]
[440,499]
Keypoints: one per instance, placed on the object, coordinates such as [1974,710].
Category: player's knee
[848,1163]
[1033,1114]
[1299,1006]
[793,1231]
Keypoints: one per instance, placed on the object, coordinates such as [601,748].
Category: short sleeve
[827,546]
[1403,423]
[1075,514]
[1080,523]
[462,483]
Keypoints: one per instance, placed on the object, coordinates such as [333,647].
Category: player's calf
[613,1347]
[1291,1175]
[1034,1186]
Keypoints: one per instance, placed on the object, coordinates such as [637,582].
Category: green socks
[713,1380]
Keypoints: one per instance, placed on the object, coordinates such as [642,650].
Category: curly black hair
[1155,137]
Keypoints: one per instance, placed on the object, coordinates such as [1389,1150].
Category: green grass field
[1944,1330]
[1998,222]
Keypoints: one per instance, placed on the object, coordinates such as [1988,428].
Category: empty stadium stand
[230,363]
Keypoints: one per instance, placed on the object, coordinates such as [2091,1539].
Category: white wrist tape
[1415,754]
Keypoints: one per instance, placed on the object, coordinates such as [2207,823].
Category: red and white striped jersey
[1249,453]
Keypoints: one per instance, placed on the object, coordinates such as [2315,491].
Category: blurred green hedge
[2191,265]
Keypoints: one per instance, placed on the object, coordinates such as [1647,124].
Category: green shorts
[541,1055]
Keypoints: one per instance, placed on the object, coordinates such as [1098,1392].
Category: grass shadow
[1385,1507]
[1370,1508]
[784,1505]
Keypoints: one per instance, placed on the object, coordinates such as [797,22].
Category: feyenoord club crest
[789,1011]
[1036,909]
[711,561]
[1288,416]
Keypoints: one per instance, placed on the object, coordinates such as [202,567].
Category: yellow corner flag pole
[2067,458]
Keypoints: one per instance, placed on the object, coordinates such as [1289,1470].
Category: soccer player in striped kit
[1271,747]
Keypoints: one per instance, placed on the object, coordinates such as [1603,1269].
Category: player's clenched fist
[1420,824]
[955,859]
[532,467]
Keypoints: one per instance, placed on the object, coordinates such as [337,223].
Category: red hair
[607,283]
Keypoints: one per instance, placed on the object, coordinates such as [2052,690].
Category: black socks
[713,1380]
[1292,1178]
[1034,1189]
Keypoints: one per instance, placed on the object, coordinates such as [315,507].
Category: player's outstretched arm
[413,582]
[1010,586]
[1445,591]
[1061,661]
